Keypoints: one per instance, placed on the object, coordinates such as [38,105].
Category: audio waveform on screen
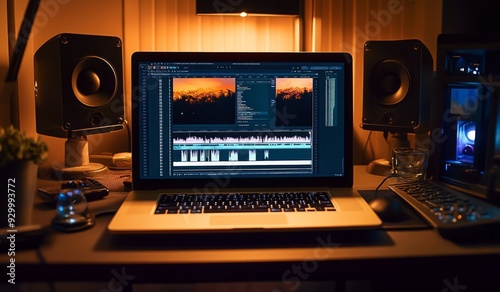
[251,139]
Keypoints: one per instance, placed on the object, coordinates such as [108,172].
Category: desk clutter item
[91,189]
[409,164]
[455,215]
[117,161]
[72,211]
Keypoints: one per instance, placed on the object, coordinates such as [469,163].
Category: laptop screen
[241,117]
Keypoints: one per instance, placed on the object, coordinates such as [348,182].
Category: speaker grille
[389,82]
[94,81]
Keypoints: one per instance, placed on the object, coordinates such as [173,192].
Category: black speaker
[397,86]
[79,85]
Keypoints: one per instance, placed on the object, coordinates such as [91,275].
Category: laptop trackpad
[247,220]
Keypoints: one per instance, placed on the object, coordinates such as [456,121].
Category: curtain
[327,25]
[172,25]
[345,25]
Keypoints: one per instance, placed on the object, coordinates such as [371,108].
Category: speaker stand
[383,166]
[78,172]
[76,163]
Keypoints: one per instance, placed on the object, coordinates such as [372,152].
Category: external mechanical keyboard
[452,213]
[243,202]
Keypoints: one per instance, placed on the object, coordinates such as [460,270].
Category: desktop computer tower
[467,151]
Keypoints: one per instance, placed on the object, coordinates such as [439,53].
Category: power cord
[129,134]
[383,181]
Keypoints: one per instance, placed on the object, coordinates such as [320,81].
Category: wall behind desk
[327,25]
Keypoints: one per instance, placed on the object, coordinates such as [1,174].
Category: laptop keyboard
[243,202]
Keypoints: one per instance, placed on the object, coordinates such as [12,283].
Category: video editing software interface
[263,119]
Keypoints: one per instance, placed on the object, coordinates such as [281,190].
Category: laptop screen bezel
[139,183]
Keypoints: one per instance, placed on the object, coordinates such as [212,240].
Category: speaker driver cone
[94,81]
[389,82]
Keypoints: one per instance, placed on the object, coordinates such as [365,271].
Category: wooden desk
[398,258]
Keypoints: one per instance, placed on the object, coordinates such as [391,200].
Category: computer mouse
[388,209]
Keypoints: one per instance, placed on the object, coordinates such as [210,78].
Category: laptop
[240,124]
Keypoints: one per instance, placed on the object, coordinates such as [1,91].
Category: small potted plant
[19,159]
[15,147]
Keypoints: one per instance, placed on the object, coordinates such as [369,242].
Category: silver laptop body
[209,123]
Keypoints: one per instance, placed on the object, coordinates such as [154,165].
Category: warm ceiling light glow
[253,7]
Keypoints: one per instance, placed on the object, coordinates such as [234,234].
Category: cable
[368,142]
[383,181]
[127,126]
